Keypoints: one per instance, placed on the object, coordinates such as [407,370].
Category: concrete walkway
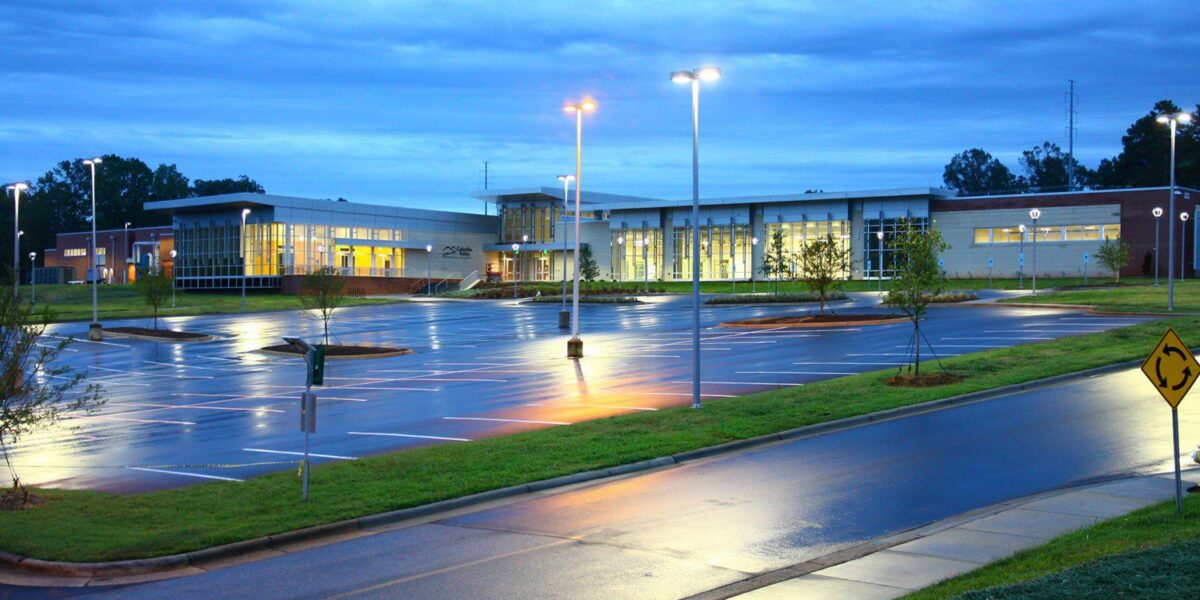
[956,546]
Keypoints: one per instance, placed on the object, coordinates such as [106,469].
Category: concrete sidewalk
[956,546]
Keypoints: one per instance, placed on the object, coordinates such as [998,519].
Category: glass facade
[1048,233]
[533,220]
[725,252]
[640,255]
[880,262]
[538,265]
[796,235]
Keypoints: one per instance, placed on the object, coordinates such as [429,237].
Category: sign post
[1085,265]
[990,265]
[314,367]
[1172,370]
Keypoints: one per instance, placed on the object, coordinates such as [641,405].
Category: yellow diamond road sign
[1171,368]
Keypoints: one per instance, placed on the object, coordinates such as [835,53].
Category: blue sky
[402,102]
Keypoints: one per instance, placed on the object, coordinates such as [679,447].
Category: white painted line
[743,382]
[1000,339]
[149,374]
[1075,331]
[155,421]
[193,406]
[620,356]
[688,394]
[796,373]
[847,363]
[86,341]
[615,406]
[423,378]
[179,366]
[55,347]
[410,435]
[896,353]
[505,420]
[936,346]
[299,453]
[149,470]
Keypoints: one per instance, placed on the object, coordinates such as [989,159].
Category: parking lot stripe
[848,363]
[152,421]
[1025,337]
[75,339]
[936,346]
[796,373]
[99,368]
[505,420]
[334,456]
[688,394]
[617,406]
[186,474]
[409,435]
[193,406]
[743,382]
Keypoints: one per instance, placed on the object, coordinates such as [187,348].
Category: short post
[1178,474]
[1021,256]
[1085,266]
[33,277]
[1183,247]
[516,256]
[174,253]
[990,264]
[314,366]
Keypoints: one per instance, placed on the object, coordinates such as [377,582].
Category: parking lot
[179,414]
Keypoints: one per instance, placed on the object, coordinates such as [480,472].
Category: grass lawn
[859,285]
[93,526]
[1133,298]
[1150,553]
[74,302]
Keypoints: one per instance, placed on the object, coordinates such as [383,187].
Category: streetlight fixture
[1183,246]
[516,255]
[879,236]
[694,78]
[564,317]
[1035,214]
[575,345]
[1021,256]
[245,213]
[429,269]
[33,277]
[173,255]
[125,252]
[753,274]
[645,262]
[1174,119]
[16,189]
[1158,213]
[94,331]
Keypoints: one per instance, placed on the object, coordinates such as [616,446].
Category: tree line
[1144,161]
[60,200]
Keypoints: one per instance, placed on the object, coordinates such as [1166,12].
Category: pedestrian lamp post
[621,258]
[33,277]
[94,331]
[314,366]
[1158,213]
[564,316]
[1173,119]
[429,269]
[645,262]
[1021,256]
[575,344]
[1183,217]
[16,189]
[245,213]
[125,253]
[753,275]
[694,78]
[879,236]
[173,255]
[516,256]
[1035,214]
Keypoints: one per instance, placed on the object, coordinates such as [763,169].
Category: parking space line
[936,346]
[616,406]
[153,421]
[505,420]
[99,368]
[193,406]
[409,435]
[1024,337]
[797,373]
[742,382]
[846,362]
[75,339]
[688,394]
[289,453]
[184,473]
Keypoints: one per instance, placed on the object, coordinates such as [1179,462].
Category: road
[679,531]
[479,369]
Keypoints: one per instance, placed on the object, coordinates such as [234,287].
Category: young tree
[1114,255]
[155,288]
[777,262]
[918,276]
[33,390]
[820,262]
[588,269]
[323,290]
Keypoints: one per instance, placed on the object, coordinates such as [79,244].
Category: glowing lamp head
[174,254]
[565,178]
[621,240]
[879,235]
[245,212]
[1157,212]
[127,224]
[754,241]
[93,161]
[1183,217]
[1021,228]
[32,255]
[20,186]
[708,74]
[525,238]
[1184,117]
[682,76]
[1163,119]
[516,247]
[1035,214]
[429,247]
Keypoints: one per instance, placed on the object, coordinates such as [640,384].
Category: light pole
[564,317]
[1183,246]
[32,277]
[516,255]
[1035,214]
[16,189]
[1174,119]
[94,333]
[1158,213]
[125,253]
[173,255]
[879,236]
[645,262]
[112,246]
[245,213]
[575,345]
[694,78]
[429,269]
[1021,256]
[753,274]
[621,258]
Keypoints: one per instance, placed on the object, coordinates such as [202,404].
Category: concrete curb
[198,558]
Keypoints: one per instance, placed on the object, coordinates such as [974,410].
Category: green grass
[90,526]
[1150,553]
[859,285]
[74,302]
[1144,297]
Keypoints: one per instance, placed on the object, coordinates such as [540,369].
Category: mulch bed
[165,334]
[828,320]
[923,380]
[342,351]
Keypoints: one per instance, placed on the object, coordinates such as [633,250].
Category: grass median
[93,526]
[1150,553]
[1131,298]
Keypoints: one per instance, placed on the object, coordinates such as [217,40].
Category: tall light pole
[564,316]
[125,253]
[879,236]
[1183,246]
[694,78]
[94,332]
[575,345]
[621,258]
[753,274]
[1174,119]
[1021,256]
[429,269]
[1158,213]
[645,262]
[516,255]
[32,277]
[16,189]
[245,213]
[173,255]
[1035,214]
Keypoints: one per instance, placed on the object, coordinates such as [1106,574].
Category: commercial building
[119,255]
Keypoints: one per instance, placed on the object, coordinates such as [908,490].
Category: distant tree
[155,288]
[1114,255]
[1145,156]
[820,261]
[32,403]
[169,184]
[975,172]
[323,290]
[777,261]
[1047,169]
[588,269]
[216,187]
[918,277]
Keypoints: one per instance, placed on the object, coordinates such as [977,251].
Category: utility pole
[485,187]
[1071,136]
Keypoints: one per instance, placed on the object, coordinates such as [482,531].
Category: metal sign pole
[1178,474]
[309,405]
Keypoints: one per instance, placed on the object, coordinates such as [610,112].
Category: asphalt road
[479,369]
[676,532]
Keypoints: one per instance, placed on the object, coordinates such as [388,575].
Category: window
[1112,232]
[1048,233]
[983,236]
[70,252]
[1075,233]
